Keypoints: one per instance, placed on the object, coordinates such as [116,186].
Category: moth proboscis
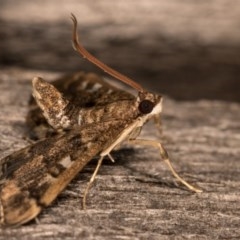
[81,117]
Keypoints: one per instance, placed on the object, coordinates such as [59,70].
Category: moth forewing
[54,107]
[49,165]
[79,89]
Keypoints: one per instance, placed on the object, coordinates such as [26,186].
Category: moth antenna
[80,49]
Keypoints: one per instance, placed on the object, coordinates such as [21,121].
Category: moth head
[149,103]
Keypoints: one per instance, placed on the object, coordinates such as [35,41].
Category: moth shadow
[134,163]
[123,156]
[126,157]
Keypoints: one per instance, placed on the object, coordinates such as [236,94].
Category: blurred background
[188,50]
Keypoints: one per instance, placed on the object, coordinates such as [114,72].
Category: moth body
[72,120]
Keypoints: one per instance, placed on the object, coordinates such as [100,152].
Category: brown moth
[86,117]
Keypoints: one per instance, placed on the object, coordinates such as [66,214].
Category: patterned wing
[84,90]
[32,178]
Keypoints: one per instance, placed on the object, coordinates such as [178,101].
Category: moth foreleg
[158,123]
[164,156]
[111,158]
[91,182]
[93,178]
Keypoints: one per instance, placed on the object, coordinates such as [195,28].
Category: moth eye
[146,106]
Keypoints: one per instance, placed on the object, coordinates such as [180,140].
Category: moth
[74,120]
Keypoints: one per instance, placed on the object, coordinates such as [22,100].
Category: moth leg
[158,123]
[91,181]
[29,140]
[111,157]
[164,156]
[36,220]
[1,214]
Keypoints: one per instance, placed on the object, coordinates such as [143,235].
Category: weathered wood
[136,197]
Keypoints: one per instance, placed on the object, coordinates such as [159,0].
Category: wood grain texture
[136,197]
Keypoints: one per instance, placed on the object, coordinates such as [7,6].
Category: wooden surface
[136,197]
